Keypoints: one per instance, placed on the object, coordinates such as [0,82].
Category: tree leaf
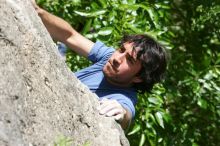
[87,26]
[136,128]
[154,100]
[143,138]
[202,103]
[91,14]
[105,31]
[159,119]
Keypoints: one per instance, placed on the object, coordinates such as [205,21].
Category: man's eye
[122,50]
[130,59]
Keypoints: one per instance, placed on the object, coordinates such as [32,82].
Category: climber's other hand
[111,108]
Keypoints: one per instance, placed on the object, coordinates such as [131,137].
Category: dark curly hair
[153,58]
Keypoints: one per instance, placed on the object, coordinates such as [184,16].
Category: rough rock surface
[40,99]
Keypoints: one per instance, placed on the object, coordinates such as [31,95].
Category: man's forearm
[59,29]
[62,31]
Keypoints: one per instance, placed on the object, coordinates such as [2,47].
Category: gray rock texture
[40,99]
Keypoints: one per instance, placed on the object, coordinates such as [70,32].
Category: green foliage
[67,141]
[63,141]
[185,108]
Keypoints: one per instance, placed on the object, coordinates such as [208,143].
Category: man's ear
[137,79]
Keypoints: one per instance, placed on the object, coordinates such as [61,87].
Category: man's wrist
[123,117]
[125,122]
[39,10]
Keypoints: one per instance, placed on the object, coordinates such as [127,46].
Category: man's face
[123,66]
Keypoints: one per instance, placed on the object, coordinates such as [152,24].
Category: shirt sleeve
[100,52]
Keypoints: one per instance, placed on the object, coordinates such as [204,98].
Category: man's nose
[118,59]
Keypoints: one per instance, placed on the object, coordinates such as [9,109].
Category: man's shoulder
[99,52]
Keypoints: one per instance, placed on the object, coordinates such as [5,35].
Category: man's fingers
[106,101]
[105,108]
[103,100]
[111,108]
[118,117]
[106,105]
[33,3]
[114,112]
[36,7]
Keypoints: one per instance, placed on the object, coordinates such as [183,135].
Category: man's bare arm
[62,31]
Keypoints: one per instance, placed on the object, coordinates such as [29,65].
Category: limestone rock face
[40,98]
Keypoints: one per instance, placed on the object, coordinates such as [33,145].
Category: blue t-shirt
[94,78]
